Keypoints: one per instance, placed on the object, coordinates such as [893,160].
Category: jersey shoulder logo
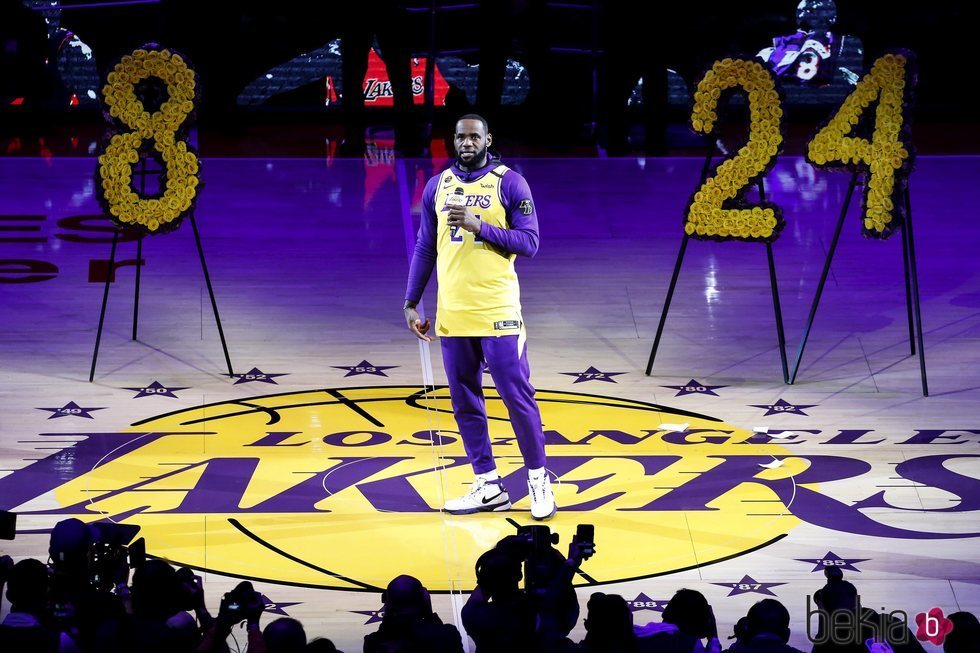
[526,207]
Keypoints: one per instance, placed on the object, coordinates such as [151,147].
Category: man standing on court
[477,217]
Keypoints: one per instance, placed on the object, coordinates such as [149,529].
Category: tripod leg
[136,298]
[214,304]
[780,334]
[105,300]
[823,278]
[670,294]
[908,292]
[912,278]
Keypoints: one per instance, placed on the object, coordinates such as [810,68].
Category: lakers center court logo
[341,488]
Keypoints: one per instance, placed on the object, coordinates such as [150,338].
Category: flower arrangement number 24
[159,79]
[868,135]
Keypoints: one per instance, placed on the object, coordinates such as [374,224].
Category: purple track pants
[463,359]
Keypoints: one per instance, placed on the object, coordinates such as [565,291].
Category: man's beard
[477,158]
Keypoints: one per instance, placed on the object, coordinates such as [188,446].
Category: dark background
[562,45]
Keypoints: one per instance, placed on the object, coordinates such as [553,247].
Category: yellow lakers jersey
[478,290]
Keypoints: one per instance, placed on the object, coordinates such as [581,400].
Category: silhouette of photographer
[409,625]
[845,626]
[27,627]
[542,613]
[498,615]
[243,603]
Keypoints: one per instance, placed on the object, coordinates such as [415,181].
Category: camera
[536,539]
[236,603]
[535,546]
[110,551]
[94,554]
[8,525]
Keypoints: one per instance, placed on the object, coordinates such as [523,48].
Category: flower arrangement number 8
[137,133]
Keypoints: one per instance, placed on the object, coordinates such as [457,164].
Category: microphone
[458,198]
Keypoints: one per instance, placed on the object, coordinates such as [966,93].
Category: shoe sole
[490,508]
[554,511]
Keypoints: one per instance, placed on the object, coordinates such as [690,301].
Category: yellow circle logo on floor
[342,488]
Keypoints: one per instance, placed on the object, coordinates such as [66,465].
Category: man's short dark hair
[473,116]
[689,611]
[27,585]
[965,634]
[769,616]
[284,635]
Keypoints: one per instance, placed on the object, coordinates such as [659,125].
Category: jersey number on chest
[456,235]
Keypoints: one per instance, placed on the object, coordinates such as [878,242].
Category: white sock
[536,474]
[490,476]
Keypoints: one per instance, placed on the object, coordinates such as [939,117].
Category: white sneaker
[542,499]
[484,496]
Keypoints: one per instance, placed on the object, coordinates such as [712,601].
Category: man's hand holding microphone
[459,215]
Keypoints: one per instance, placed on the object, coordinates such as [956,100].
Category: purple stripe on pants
[463,359]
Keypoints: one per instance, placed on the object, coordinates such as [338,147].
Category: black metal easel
[143,172]
[677,268]
[912,306]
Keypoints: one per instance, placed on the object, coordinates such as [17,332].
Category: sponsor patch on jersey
[506,324]
[526,207]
